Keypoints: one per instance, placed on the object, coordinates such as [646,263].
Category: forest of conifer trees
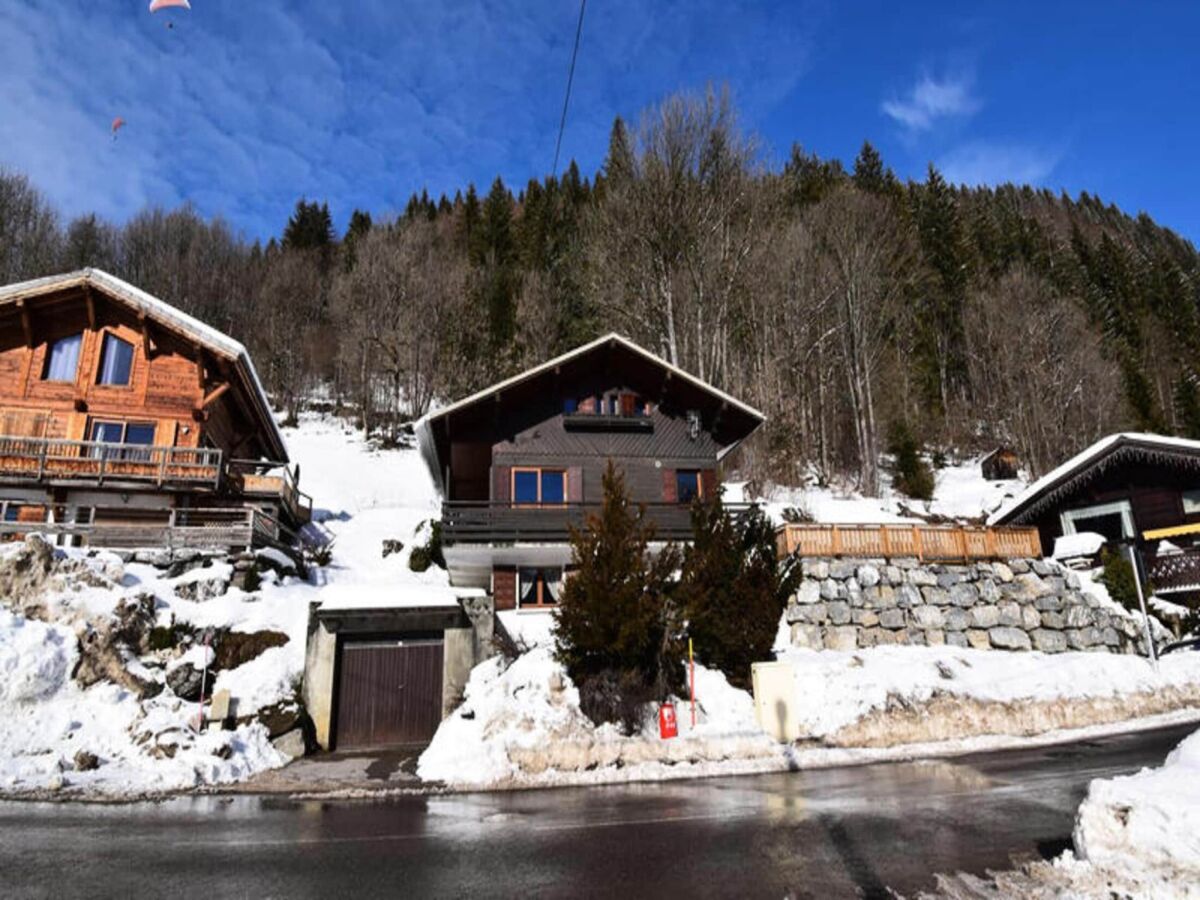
[844,302]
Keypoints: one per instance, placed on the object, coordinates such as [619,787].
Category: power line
[562,123]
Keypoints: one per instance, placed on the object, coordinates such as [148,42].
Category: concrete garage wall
[320,658]
[1023,604]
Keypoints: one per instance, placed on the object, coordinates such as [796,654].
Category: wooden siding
[389,692]
[504,587]
[166,388]
[919,541]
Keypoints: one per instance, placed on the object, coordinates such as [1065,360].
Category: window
[532,487]
[1113,520]
[622,404]
[538,587]
[62,358]
[130,435]
[1191,503]
[687,485]
[116,361]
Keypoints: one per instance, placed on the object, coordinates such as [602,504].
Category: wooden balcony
[1174,572]
[490,522]
[62,462]
[924,542]
[256,479]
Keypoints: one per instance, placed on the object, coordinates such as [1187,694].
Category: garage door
[389,691]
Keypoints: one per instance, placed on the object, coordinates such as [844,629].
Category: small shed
[1000,465]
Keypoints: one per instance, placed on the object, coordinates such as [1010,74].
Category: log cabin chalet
[125,422]
[521,461]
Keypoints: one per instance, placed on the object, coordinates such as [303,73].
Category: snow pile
[960,492]
[861,697]
[35,659]
[1080,544]
[520,725]
[1149,820]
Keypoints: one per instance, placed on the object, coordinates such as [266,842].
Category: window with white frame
[539,588]
[1113,520]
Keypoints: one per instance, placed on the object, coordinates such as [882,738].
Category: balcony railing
[932,542]
[255,478]
[467,522]
[1172,572]
[56,460]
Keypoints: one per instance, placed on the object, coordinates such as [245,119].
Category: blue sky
[246,105]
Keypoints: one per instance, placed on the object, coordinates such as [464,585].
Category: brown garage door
[389,691]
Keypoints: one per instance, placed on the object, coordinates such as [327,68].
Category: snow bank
[1148,820]
[835,690]
[35,659]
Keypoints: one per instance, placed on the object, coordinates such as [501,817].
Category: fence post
[916,530]
[836,542]
[162,465]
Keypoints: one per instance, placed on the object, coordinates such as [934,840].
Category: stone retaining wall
[1021,604]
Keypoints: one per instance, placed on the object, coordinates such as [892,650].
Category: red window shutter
[575,484]
[628,404]
[502,484]
[708,483]
[504,587]
[670,489]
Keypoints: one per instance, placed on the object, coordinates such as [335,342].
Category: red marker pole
[692,680]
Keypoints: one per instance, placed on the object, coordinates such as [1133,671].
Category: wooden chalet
[125,422]
[1142,489]
[520,461]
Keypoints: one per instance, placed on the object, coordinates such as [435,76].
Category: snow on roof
[611,337]
[352,597]
[160,310]
[1082,543]
[1084,458]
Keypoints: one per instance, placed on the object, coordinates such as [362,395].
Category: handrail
[945,542]
[61,458]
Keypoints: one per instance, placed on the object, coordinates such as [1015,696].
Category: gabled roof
[170,318]
[610,338]
[1075,471]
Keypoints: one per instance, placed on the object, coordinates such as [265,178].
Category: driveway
[366,772]
[833,833]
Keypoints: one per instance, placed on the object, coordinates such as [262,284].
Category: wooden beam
[91,307]
[147,343]
[214,394]
[26,323]
[200,367]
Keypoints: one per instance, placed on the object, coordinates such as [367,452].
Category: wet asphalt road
[833,833]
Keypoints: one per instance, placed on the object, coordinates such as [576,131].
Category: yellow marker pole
[692,680]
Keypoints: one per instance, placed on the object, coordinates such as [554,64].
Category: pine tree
[869,173]
[619,163]
[617,628]
[499,257]
[309,228]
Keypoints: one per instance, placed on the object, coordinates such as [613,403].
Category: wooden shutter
[670,488]
[504,587]
[628,404]
[502,484]
[708,483]
[575,484]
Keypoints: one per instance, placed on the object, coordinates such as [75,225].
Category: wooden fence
[925,542]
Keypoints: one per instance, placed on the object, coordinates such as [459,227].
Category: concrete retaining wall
[1021,604]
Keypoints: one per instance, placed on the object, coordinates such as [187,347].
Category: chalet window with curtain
[539,487]
[62,358]
[614,404]
[116,361]
[687,485]
[539,588]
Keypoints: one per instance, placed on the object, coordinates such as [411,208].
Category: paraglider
[156,5]
[117,125]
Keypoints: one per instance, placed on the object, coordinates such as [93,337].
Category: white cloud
[982,163]
[930,100]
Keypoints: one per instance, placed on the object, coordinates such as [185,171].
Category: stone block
[958,639]
[978,639]
[1054,620]
[867,618]
[989,591]
[935,637]
[964,594]
[1085,638]
[816,613]
[893,575]
[1010,612]
[1048,641]
[807,637]
[1072,580]
[984,617]
[905,562]
[1041,567]
[869,637]
[928,617]
[831,590]
[892,618]
[1004,638]
[957,619]
[1030,618]
[808,592]
[914,636]
[816,569]
[1080,617]
[936,596]
[921,577]
[1018,566]
[842,637]
[841,569]
[908,596]
[1111,636]
[886,596]
[839,613]
[949,579]
[1049,603]
[868,576]
[1002,572]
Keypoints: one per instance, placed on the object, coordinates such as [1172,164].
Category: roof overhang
[166,316]
[1082,468]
